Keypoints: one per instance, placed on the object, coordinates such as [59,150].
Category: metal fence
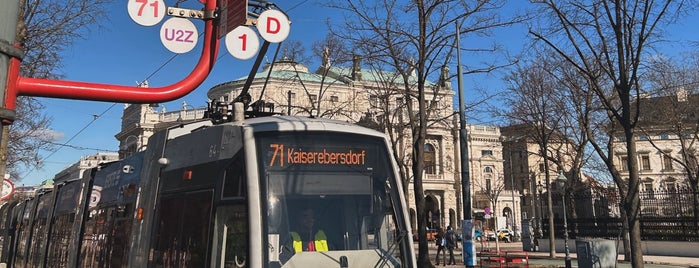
[666,215]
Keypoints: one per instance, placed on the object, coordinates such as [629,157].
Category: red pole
[129,94]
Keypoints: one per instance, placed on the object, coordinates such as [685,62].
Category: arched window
[430,159]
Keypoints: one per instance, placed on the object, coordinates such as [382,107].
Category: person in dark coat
[450,238]
[440,239]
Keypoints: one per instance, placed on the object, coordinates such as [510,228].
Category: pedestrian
[450,244]
[441,241]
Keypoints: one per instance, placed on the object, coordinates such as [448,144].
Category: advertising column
[469,247]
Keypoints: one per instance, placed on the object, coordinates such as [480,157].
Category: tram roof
[293,123]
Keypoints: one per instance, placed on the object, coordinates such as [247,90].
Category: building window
[334,99]
[624,163]
[542,168]
[313,97]
[648,188]
[670,185]
[292,95]
[488,169]
[374,101]
[486,152]
[430,159]
[487,185]
[664,136]
[643,137]
[667,162]
[645,162]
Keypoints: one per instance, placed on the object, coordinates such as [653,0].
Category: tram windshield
[330,199]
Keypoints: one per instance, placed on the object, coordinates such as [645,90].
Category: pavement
[542,259]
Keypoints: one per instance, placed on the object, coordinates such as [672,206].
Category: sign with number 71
[146,12]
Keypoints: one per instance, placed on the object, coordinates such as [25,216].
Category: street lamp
[561,181]
[540,189]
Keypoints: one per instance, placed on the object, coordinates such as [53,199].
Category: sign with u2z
[179,35]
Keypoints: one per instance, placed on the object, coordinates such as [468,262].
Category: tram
[204,194]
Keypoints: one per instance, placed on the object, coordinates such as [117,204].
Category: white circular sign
[273,26]
[146,12]
[95,196]
[7,189]
[179,35]
[242,43]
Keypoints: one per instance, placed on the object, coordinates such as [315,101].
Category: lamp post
[561,181]
[540,189]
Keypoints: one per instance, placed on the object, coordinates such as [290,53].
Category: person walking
[450,241]
[441,241]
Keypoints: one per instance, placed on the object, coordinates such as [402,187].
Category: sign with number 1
[146,12]
[242,43]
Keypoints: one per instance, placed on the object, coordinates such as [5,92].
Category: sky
[122,52]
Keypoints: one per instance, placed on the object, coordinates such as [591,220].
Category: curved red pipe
[129,94]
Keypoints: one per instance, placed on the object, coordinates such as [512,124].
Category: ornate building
[367,97]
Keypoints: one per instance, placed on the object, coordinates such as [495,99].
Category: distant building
[78,169]
[667,146]
[525,170]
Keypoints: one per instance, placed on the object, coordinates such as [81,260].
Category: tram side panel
[110,214]
[65,216]
[140,251]
[7,223]
[24,234]
[40,226]
[190,189]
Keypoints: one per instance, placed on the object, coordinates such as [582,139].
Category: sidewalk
[541,259]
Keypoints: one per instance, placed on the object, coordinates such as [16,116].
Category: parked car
[431,234]
[505,235]
[489,235]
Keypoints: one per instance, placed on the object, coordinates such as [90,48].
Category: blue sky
[124,53]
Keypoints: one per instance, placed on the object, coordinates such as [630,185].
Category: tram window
[61,235]
[320,184]
[183,227]
[234,183]
[231,237]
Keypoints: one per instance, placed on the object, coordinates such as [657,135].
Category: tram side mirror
[127,169]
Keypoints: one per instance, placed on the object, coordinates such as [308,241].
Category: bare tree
[606,42]
[491,190]
[45,29]
[535,105]
[414,40]
[318,99]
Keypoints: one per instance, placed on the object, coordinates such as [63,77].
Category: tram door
[182,229]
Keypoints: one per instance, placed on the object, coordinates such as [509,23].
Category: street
[541,259]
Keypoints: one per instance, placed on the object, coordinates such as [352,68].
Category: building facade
[667,147]
[366,97]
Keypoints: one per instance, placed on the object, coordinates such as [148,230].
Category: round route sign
[7,189]
[242,43]
[179,35]
[273,26]
[146,12]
